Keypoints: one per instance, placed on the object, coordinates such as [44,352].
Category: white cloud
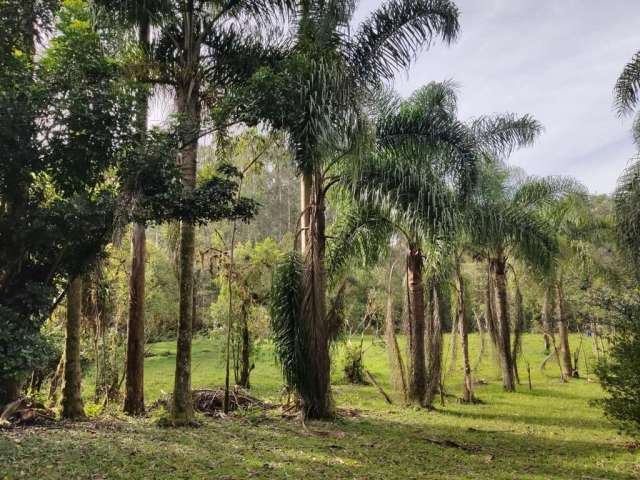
[557,60]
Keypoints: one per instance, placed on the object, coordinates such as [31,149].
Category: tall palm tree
[494,137]
[627,194]
[507,220]
[317,96]
[411,186]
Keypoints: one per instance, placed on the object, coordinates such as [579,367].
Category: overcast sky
[555,59]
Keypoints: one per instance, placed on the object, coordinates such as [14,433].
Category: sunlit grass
[552,431]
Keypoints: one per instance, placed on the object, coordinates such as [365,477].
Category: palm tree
[411,186]
[627,194]
[577,231]
[494,137]
[507,220]
[317,96]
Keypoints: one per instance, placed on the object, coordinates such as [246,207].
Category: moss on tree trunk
[188,109]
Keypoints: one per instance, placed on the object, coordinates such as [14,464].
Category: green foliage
[353,365]
[627,198]
[287,325]
[619,372]
[65,118]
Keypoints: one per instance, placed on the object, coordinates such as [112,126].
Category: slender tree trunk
[467,387]
[394,357]
[453,346]
[517,336]
[72,407]
[245,352]
[434,346]
[489,314]
[544,321]
[188,109]
[417,361]
[134,386]
[317,399]
[498,269]
[563,334]
[481,333]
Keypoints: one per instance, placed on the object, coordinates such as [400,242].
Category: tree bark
[467,386]
[306,183]
[316,394]
[394,357]
[9,391]
[134,386]
[72,406]
[498,269]
[434,346]
[245,352]
[544,320]
[517,336]
[189,110]
[417,361]
[563,334]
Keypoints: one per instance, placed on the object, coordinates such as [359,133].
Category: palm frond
[627,86]
[425,128]
[390,38]
[359,232]
[500,135]
[540,191]
[414,196]
[287,326]
[526,233]
[627,200]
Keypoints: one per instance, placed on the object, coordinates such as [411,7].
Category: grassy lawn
[551,432]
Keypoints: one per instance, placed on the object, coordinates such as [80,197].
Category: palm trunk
[306,183]
[72,407]
[563,334]
[498,269]
[467,387]
[316,394]
[544,320]
[434,346]
[417,361]
[134,386]
[188,109]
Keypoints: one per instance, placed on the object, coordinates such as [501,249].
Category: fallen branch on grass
[378,387]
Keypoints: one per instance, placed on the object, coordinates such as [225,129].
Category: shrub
[619,372]
[353,364]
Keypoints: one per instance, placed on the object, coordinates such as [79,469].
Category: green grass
[551,432]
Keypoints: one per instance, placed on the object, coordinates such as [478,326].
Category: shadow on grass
[367,447]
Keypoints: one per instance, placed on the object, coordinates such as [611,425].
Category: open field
[550,432]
